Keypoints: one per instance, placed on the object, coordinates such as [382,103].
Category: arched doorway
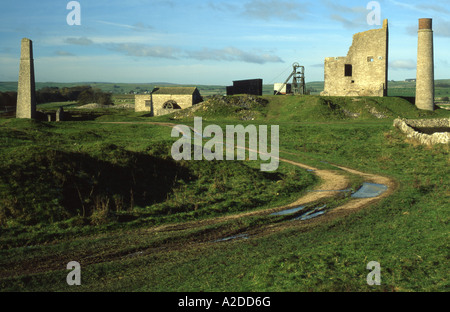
[171,104]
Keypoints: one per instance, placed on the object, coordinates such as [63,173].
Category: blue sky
[208,41]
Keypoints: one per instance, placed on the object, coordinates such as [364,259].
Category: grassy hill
[100,193]
[395,88]
[116,88]
[311,108]
[126,88]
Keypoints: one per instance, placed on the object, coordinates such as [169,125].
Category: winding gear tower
[425,66]
[26,94]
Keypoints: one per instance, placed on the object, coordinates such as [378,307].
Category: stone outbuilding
[364,71]
[165,100]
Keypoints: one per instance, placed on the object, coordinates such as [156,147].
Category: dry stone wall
[407,127]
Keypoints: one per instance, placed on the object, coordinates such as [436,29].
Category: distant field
[116,88]
[395,88]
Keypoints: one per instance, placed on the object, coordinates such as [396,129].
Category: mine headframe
[298,80]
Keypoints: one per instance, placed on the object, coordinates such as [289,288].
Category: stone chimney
[26,94]
[425,66]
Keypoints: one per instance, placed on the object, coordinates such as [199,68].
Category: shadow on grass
[52,185]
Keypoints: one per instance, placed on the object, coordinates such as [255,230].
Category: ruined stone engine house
[364,71]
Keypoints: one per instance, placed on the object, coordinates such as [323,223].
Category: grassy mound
[41,185]
[309,108]
[54,172]
[241,107]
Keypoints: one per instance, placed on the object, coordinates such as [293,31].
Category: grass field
[116,88]
[395,88]
[109,196]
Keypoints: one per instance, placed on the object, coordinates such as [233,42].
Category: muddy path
[332,182]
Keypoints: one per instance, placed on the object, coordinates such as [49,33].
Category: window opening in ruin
[148,103]
[370,59]
[348,70]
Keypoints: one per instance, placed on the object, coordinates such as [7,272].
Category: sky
[209,42]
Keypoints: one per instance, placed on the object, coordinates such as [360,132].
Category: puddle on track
[312,213]
[309,216]
[369,190]
[239,236]
[305,216]
[288,211]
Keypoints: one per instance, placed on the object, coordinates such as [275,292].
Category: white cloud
[334,6]
[442,28]
[63,53]
[222,6]
[349,23]
[264,9]
[79,41]
[274,9]
[233,54]
[433,8]
[138,26]
[421,7]
[403,64]
[141,50]
[350,17]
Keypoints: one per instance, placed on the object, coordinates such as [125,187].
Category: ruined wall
[406,126]
[142,103]
[363,72]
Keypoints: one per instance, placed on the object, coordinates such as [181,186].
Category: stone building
[165,100]
[364,71]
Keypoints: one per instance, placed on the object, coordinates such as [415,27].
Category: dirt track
[330,180]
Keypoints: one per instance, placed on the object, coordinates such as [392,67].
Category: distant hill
[395,88]
[116,88]
[127,88]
